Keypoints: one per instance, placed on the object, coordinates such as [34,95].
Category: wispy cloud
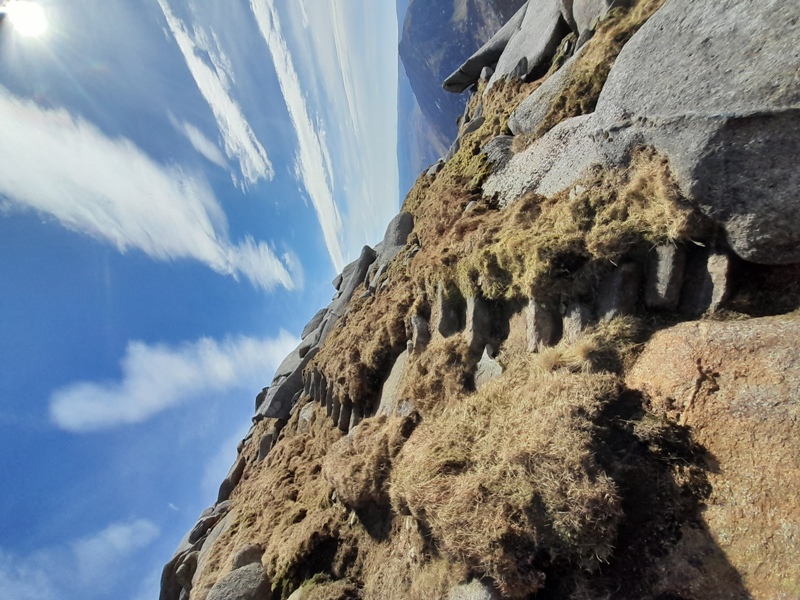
[88,567]
[208,149]
[214,80]
[63,166]
[313,159]
[158,377]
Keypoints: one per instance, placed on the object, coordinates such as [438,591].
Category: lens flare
[26,17]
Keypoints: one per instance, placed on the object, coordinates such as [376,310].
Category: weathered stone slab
[314,322]
[619,292]
[232,480]
[576,319]
[345,413]
[708,283]
[246,583]
[544,326]
[447,317]
[305,418]
[265,445]
[390,393]
[478,329]
[488,368]
[247,555]
[664,277]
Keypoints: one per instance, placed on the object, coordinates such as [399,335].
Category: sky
[180,181]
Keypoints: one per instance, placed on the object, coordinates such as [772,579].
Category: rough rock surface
[698,83]
[246,583]
[737,385]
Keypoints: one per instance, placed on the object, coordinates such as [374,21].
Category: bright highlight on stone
[27,17]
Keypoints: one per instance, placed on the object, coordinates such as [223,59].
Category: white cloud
[87,567]
[96,556]
[214,81]
[208,149]
[312,151]
[158,377]
[63,166]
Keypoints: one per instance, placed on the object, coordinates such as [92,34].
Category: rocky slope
[571,368]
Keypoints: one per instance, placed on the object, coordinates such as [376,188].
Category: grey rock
[544,326]
[232,480]
[248,555]
[435,168]
[474,590]
[486,56]
[390,392]
[583,15]
[208,545]
[246,583]
[488,368]
[473,125]
[305,418]
[345,412]
[184,595]
[203,525]
[619,292]
[420,333]
[707,284]
[540,32]
[577,318]
[664,277]
[336,409]
[314,322]
[479,324]
[720,102]
[447,316]
[398,230]
[337,281]
[498,151]
[222,508]
[262,395]
[530,114]
[185,571]
[356,416]
[265,445]
[278,401]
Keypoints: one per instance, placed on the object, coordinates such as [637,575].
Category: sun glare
[26,17]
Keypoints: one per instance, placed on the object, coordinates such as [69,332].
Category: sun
[26,17]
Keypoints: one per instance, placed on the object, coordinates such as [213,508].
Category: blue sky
[180,180]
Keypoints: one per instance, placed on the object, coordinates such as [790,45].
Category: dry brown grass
[558,247]
[358,466]
[590,71]
[506,480]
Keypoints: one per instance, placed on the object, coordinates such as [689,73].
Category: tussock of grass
[591,70]
[358,466]
[506,479]
[605,346]
[442,372]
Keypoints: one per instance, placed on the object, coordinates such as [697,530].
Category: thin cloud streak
[204,146]
[158,377]
[312,152]
[88,567]
[63,166]
[240,141]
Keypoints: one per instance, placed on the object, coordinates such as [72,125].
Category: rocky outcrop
[523,47]
[435,37]
[706,97]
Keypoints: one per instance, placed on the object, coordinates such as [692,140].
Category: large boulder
[245,583]
[736,384]
[713,86]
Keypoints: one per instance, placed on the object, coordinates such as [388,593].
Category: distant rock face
[436,36]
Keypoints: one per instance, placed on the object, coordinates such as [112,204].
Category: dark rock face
[436,36]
